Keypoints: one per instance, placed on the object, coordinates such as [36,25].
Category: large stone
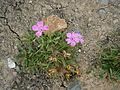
[55,24]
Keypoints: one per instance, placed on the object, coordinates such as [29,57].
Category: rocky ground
[95,19]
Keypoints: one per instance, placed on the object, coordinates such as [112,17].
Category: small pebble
[14,73]
[58,6]
[79,50]
[102,11]
[11,63]
[48,7]
[28,87]
[30,1]
[84,52]
[90,19]
[118,5]
[115,15]
[64,4]
[73,1]
[115,21]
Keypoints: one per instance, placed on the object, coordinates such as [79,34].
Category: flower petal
[68,40]
[77,40]
[77,35]
[81,40]
[73,34]
[38,34]
[73,44]
[40,23]
[69,35]
[45,28]
[35,28]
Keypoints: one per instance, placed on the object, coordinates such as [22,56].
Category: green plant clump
[110,60]
[49,53]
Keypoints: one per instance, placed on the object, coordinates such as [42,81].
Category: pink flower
[39,27]
[74,38]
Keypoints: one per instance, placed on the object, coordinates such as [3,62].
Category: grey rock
[74,86]
[102,13]
[105,2]
[11,63]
